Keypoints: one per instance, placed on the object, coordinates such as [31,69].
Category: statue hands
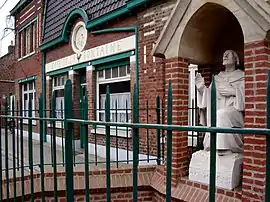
[227,90]
[199,81]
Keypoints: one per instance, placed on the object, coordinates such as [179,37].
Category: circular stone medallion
[79,37]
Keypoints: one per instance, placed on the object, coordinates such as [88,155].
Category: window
[59,88]
[27,42]
[28,95]
[118,79]
[192,111]
[12,105]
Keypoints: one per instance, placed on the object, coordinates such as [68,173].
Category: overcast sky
[3,13]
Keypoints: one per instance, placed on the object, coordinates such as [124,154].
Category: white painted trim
[105,50]
[26,56]
[120,133]
[27,17]
[90,68]
[27,11]
[149,33]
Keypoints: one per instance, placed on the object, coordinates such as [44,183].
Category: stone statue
[230,104]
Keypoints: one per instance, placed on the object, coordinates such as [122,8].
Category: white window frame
[121,131]
[11,98]
[28,40]
[27,92]
[192,69]
[59,87]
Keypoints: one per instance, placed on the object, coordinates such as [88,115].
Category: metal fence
[16,163]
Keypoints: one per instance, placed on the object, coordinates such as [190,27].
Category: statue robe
[229,110]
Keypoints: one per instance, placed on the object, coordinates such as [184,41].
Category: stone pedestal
[228,169]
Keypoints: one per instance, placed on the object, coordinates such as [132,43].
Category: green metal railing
[18,145]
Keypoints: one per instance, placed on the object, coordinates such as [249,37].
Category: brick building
[7,67]
[28,28]
[172,35]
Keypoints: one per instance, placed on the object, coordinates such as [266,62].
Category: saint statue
[229,101]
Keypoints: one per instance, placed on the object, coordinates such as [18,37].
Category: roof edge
[90,24]
[19,6]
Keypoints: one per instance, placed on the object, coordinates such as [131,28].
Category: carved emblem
[79,38]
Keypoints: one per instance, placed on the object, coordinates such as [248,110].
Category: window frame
[59,87]
[121,131]
[27,92]
[26,51]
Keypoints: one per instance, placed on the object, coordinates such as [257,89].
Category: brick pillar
[73,76]
[176,70]
[48,95]
[257,63]
[91,86]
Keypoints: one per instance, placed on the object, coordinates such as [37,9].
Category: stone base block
[228,169]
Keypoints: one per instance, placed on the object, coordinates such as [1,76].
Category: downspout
[43,77]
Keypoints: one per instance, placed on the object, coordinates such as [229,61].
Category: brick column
[257,63]
[91,86]
[176,70]
[73,76]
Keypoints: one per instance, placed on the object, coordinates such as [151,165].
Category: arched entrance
[211,31]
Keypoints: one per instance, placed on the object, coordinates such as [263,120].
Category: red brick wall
[177,73]
[101,197]
[30,66]
[7,68]
[151,70]
[257,64]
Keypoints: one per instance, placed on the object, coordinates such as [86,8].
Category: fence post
[158,130]
[213,138]
[13,147]
[68,142]
[30,146]
[6,149]
[41,136]
[135,139]
[53,108]
[108,144]
[85,115]
[267,182]
[169,146]
[1,166]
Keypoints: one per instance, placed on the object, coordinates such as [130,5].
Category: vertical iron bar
[169,146]
[116,134]
[158,130]
[135,140]
[62,133]
[108,143]
[127,132]
[213,138]
[53,108]
[163,131]
[68,142]
[267,183]
[30,147]
[147,130]
[1,166]
[18,140]
[41,149]
[192,120]
[13,149]
[22,152]
[85,127]
[6,149]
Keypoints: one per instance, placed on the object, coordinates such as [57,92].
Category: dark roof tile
[58,10]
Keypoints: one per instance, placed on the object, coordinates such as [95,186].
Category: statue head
[230,57]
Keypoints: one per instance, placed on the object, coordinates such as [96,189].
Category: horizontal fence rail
[21,157]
